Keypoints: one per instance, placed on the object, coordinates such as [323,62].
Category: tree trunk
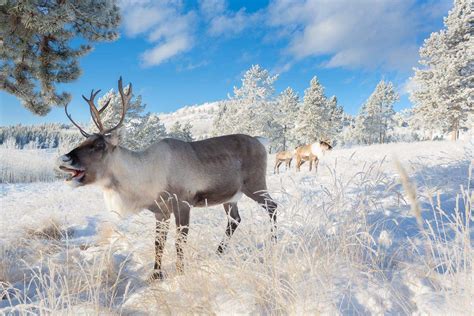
[455,135]
[455,131]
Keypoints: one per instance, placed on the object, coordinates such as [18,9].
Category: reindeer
[283,156]
[311,153]
[170,176]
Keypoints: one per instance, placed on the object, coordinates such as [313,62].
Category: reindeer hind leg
[233,221]
[265,200]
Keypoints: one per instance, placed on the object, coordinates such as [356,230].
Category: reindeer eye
[99,146]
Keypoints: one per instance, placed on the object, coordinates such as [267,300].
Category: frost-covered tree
[310,123]
[38,47]
[404,130]
[376,115]
[49,135]
[333,123]
[444,84]
[225,119]
[137,123]
[287,110]
[251,109]
[182,132]
[149,131]
[347,135]
[112,114]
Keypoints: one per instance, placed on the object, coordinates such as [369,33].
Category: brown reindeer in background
[283,156]
[312,153]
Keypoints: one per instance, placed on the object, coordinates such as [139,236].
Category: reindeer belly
[216,192]
[209,198]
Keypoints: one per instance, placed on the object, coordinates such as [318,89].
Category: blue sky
[179,53]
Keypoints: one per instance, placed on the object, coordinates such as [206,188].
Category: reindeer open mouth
[75,174]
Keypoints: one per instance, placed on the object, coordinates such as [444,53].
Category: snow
[348,243]
[200,116]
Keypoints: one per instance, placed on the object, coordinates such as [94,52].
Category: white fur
[115,202]
[317,150]
[235,198]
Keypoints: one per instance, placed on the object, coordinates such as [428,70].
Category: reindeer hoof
[179,269]
[157,275]
[220,250]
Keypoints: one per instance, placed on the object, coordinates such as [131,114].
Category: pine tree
[251,109]
[312,115]
[287,110]
[226,119]
[347,135]
[182,132]
[376,115]
[148,132]
[36,46]
[253,99]
[187,132]
[112,114]
[333,126]
[136,121]
[444,84]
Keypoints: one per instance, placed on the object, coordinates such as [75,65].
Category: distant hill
[200,116]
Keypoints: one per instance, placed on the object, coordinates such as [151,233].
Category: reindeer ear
[113,138]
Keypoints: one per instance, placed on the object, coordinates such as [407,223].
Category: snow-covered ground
[350,241]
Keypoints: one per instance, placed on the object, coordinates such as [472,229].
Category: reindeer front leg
[298,163]
[316,163]
[162,215]
[181,215]
[162,227]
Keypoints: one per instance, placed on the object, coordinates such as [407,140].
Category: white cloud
[365,34]
[351,34]
[164,51]
[212,8]
[164,24]
[223,22]
[232,23]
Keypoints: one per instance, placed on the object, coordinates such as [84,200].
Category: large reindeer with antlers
[170,176]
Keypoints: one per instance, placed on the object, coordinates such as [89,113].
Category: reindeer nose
[65,158]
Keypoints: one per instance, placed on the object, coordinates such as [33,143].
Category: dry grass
[337,253]
[50,230]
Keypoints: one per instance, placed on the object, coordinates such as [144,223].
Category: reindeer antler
[125,97]
[95,113]
[83,132]
[93,109]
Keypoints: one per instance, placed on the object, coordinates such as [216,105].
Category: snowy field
[351,241]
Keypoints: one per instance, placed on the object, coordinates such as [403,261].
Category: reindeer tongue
[74,174]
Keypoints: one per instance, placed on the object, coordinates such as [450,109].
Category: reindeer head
[88,162]
[324,144]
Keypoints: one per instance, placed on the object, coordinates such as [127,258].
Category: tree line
[287,121]
[40,50]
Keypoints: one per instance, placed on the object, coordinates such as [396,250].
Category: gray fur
[171,176]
